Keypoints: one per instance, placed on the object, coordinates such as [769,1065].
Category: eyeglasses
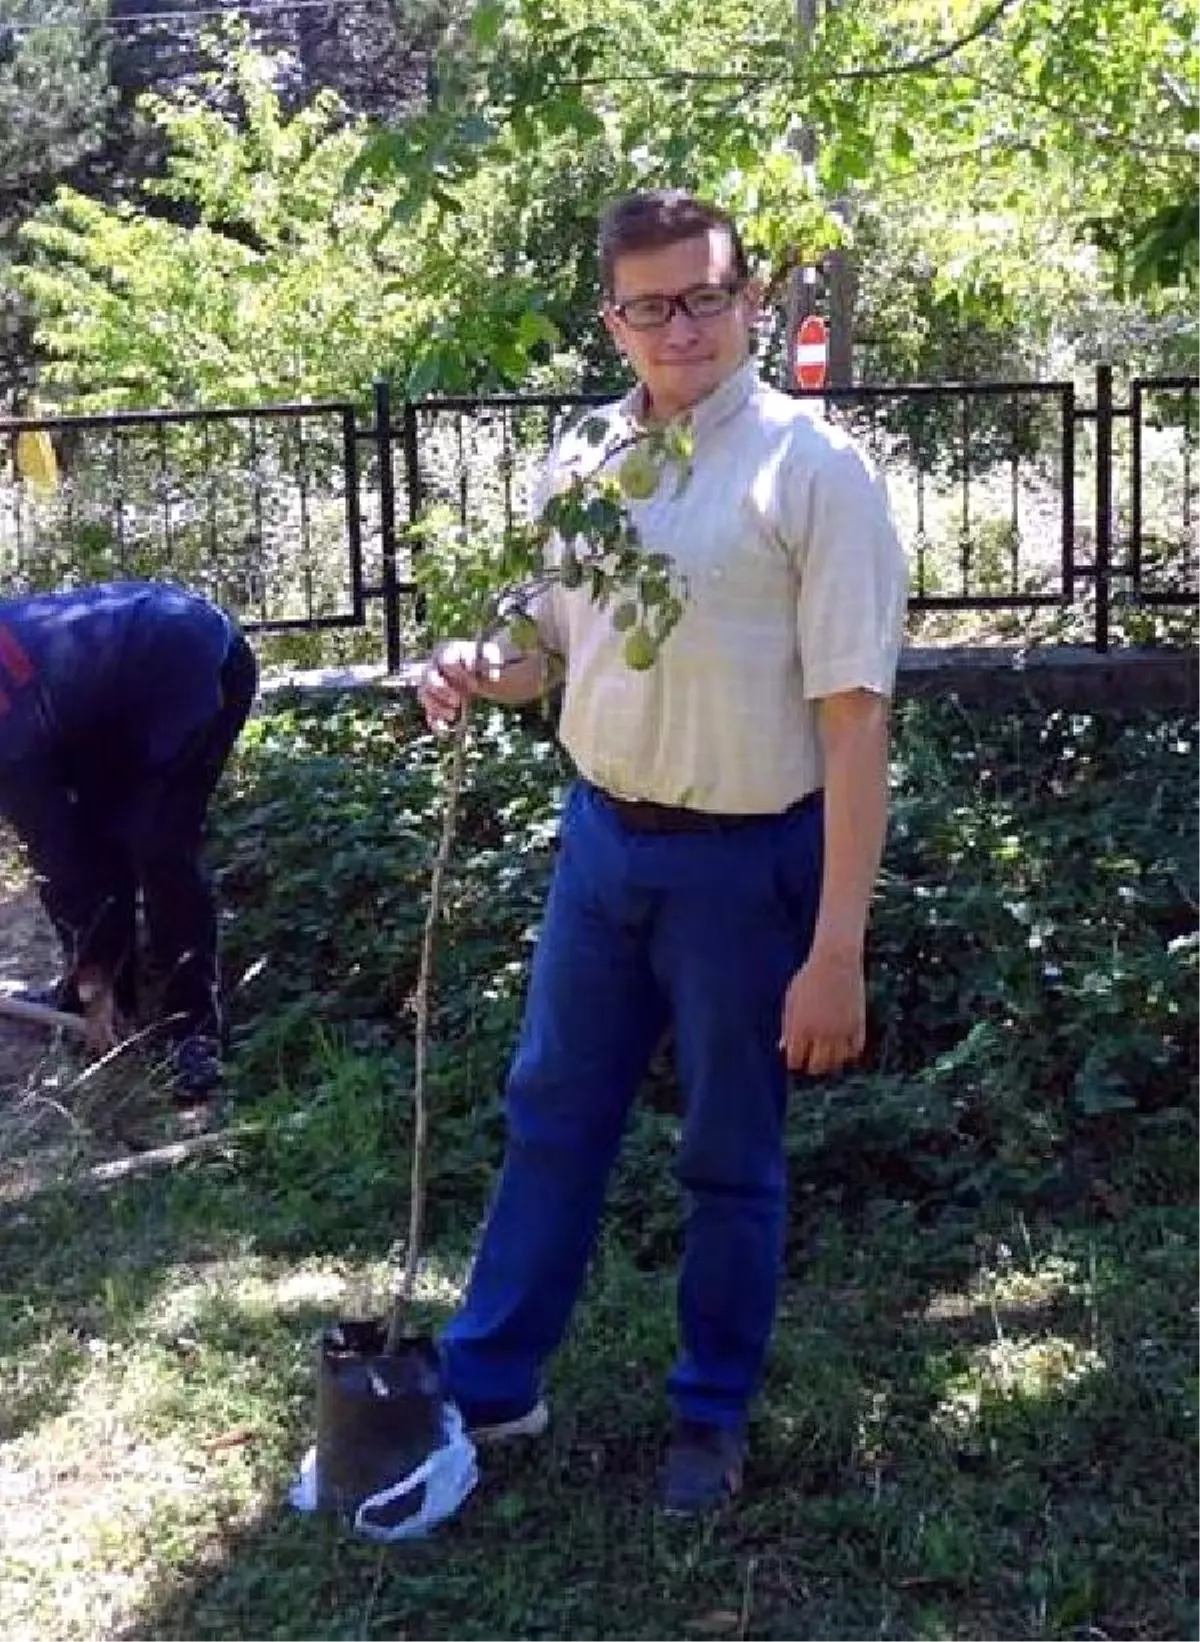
[651,313]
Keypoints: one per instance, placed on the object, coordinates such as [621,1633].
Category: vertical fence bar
[18,492]
[305,530]
[412,480]
[387,523]
[1014,497]
[1104,498]
[353,509]
[964,528]
[464,491]
[1189,445]
[1068,494]
[922,537]
[117,479]
[259,585]
[1135,490]
[164,483]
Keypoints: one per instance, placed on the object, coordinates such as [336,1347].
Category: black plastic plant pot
[379,1416]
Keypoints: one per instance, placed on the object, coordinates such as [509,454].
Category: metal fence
[301,517]
[260,508]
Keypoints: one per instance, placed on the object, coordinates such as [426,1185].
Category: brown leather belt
[642,815]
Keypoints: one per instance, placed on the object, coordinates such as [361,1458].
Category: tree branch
[919,65]
[885,71]
[1099,133]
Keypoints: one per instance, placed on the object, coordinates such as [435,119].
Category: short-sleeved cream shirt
[796,589]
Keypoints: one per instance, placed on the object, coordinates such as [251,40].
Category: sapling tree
[584,539]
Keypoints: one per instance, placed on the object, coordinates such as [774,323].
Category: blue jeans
[702,931]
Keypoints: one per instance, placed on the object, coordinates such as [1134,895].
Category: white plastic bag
[447,1476]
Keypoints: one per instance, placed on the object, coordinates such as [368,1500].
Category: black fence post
[387,523]
[1067,457]
[1135,492]
[1104,497]
[350,481]
[412,480]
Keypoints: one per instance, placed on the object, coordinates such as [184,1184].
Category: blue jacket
[123,672]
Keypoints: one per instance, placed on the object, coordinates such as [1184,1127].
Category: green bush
[1032,965]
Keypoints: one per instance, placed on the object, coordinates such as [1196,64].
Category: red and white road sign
[810,356]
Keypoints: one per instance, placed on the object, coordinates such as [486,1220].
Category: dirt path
[28,956]
[57,1114]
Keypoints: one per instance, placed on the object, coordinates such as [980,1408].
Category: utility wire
[272,8]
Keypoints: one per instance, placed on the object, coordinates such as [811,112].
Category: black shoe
[196,1063]
[703,1469]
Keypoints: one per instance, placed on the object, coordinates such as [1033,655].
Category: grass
[978,1420]
[967,1435]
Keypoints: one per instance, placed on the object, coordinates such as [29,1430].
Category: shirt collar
[724,401]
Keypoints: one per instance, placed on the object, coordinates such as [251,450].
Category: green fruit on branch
[679,442]
[641,650]
[638,475]
[523,631]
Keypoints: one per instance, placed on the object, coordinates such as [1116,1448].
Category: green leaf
[1100,1085]
[534,327]
[586,123]
[380,156]
[425,376]
[677,441]
[486,22]
[475,130]
[594,429]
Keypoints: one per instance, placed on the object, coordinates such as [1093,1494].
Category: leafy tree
[281,285]
[1008,174]
[1039,148]
[53,90]
[54,105]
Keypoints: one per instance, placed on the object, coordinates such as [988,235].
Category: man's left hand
[824,1014]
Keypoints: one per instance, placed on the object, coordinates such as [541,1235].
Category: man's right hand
[454,673]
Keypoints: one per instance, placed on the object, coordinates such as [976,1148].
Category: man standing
[119,707]
[718,852]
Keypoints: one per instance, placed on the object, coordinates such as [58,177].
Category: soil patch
[57,1113]
[28,957]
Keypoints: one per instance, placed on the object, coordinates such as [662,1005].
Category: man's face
[683,360]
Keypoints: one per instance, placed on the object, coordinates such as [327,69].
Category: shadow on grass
[974,1424]
[961,1434]
[86,1263]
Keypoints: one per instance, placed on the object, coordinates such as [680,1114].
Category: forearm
[854,730]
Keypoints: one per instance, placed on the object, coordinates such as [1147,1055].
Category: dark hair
[656,218]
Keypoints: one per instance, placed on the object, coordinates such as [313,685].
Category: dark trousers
[704,931]
[98,832]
